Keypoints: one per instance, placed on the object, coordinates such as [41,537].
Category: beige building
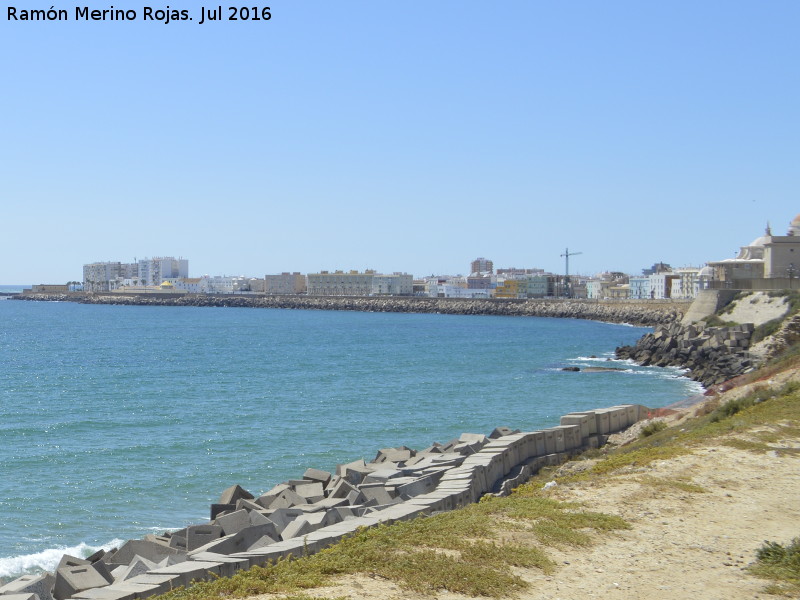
[285,284]
[769,257]
[339,283]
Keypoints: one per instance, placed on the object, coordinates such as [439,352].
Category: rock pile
[621,311]
[302,516]
[711,354]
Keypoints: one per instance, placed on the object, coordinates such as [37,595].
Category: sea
[119,421]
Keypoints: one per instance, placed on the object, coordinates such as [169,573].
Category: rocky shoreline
[712,355]
[643,313]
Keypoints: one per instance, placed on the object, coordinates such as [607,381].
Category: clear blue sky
[399,136]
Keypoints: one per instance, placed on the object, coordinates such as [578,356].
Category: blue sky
[411,136]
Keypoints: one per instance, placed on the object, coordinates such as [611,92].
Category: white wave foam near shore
[47,560]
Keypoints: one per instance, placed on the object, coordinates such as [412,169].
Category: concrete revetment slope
[303,516]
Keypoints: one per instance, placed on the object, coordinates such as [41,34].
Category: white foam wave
[601,358]
[48,560]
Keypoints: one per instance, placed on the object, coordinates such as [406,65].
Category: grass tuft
[781,564]
[652,428]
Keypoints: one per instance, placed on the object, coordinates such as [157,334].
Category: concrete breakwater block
[228,564]
[303,516]
[41,585]
[150,550]
[72,579]
[582,421]
[189,571]
[395,455]
[316,475]
[138,566]
[234,493]
[239,541]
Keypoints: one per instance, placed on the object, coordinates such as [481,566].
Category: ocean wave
[602,358]
[47,560]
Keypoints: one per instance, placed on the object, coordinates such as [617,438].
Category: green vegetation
[767,329]
[716,321]
[781,564]
[652,428]
[461,551]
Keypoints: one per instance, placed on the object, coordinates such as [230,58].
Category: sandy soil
[757,308]
[682,545]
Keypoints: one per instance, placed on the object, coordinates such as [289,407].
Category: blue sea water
[118,421]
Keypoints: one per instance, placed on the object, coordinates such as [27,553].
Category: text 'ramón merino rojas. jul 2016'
[200,15]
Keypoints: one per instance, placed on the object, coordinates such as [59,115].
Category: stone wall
[305,515]
[641,312]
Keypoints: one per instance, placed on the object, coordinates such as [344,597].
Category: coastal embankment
[301,516]
[634,312]
[712,355]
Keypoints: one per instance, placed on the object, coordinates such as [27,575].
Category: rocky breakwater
[711,354]
[647,313]
[304,515]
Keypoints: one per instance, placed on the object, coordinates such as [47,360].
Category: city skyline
[415,139]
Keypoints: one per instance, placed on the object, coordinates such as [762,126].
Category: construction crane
[566,255]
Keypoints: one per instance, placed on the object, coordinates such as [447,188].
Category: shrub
[781,564]
[652,428]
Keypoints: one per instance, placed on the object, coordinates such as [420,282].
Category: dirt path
[683,545]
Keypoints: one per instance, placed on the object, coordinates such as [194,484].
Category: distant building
[639,288]
[659,267]
[542,286]
[107,276]
[192,285]
[481,265]
[225,284]
[285,284]
[396,284]
[515,272]
[340,283]
[154,271]
[512,288]
[456,291]
[661,285]
[481,282]
[689,282]
[613,284]
[768,262]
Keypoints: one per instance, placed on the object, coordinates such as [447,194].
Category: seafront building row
[769,262]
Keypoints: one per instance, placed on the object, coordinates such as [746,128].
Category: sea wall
[634,312]
[711,354]
[305,515]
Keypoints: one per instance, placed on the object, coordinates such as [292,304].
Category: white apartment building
[225,285]
[107,276]
[192,285]
[396,284]
[639,288]
[154,271]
